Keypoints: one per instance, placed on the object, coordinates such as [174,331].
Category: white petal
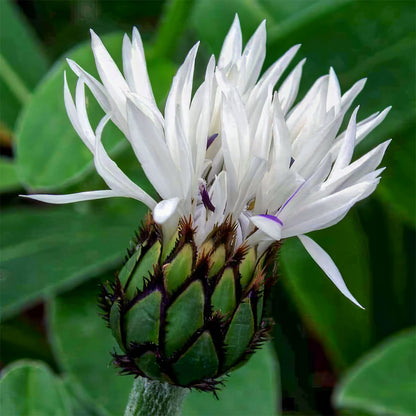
[364,127]
[88,135]
[201,111]
[218,194]
[234,129]
[310,149]
[77,197]
[272,228]
[272,75]
[134,66]
[281,138]
[109,73]
[347,148]
[306,108]
[71,111]
[177,111]
[324,261]
[112,174]
[235,147]
[261,240]
[303,217]
[290,87]
[146,137]
[253,57]
[165,209]
[334,91]
[254,172]
[96,88]
[352,93]
[262,134]
[357,170]
[231,48]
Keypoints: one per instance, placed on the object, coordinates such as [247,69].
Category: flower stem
[151,397]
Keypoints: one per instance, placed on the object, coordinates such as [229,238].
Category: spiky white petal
[70,198]
[325,262]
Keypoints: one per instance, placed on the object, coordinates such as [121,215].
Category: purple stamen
[205,198]
[272,217]
[291,197]
[292,161]
[211,139]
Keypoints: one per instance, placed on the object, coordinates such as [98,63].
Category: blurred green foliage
[56,256]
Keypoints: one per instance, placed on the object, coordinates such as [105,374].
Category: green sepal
[217,260]
[260,264]
[128,268]
[179,269]
[168,248]
[247,268]
[148,364]
[115,324]
[259,307]
[198,362]
[184,317]
[206,247]
[239,333]
[223,299]
[143,319]
[144,267]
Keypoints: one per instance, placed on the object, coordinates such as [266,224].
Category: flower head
[237,149]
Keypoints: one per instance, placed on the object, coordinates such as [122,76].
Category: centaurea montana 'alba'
[235,149]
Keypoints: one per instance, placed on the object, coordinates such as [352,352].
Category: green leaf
[343,328]
[383,382]
[44,122]
[86,357]
[400,175]
[81,404]
[20,338]
[253,389]
[172,23]
[45,125]
[47,251]
[391,259]
[8,175]
[282,17]
[19,46]
[29,388]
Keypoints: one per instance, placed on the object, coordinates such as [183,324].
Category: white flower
[236,148]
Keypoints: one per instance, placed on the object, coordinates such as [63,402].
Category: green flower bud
[186,315]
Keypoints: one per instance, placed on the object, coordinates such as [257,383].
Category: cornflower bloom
[237,152]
